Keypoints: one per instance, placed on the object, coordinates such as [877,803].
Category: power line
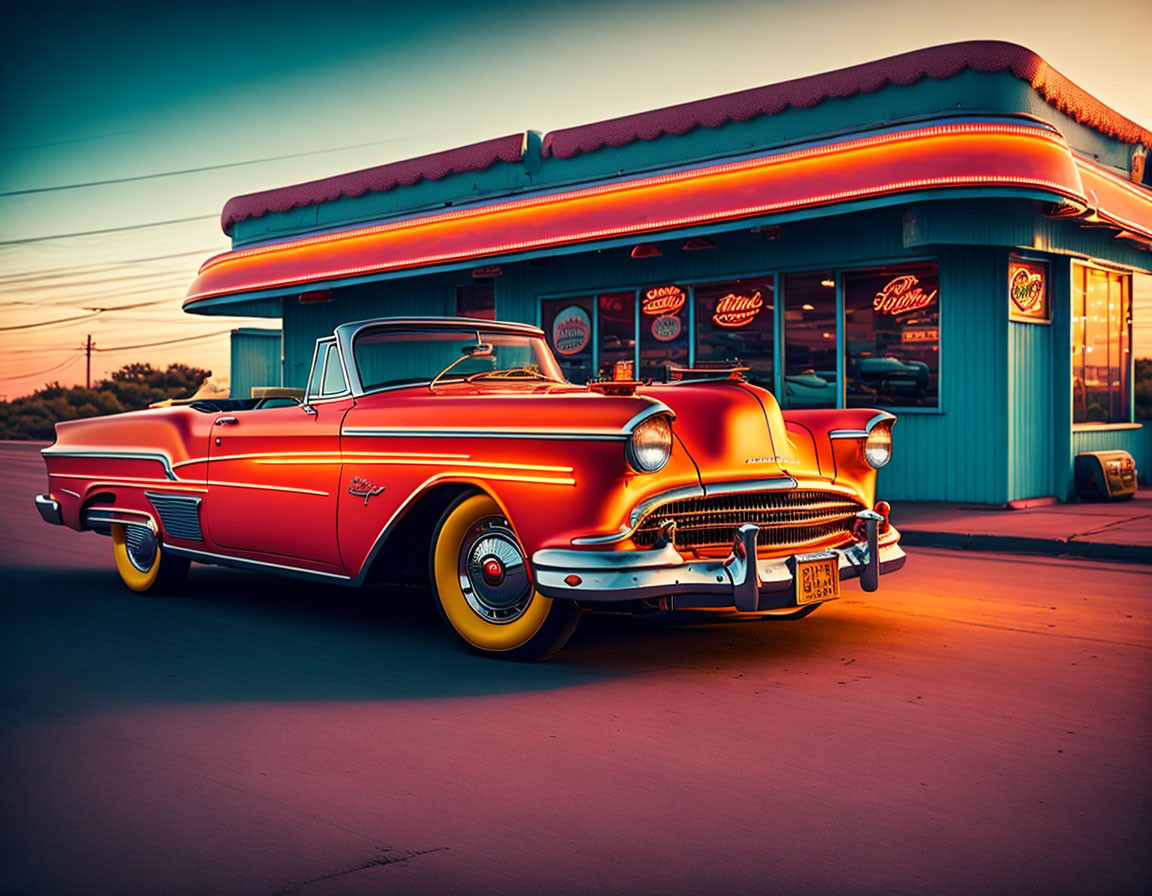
[27,146]
[139,177]
[97,267]
[75,284]
[24,376]
[65,236]
[124,348]
[49,323]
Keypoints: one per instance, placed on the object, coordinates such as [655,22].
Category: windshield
[398,357]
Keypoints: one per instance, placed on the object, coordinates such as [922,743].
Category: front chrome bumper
[732,581]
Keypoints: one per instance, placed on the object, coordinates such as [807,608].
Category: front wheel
[143,563]
[484,589]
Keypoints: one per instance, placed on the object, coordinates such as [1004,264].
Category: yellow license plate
[817,579]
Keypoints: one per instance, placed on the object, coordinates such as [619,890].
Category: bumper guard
[734,581]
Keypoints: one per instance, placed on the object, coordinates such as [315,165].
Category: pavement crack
[386,857]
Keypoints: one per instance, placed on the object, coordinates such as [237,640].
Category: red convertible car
[454,449]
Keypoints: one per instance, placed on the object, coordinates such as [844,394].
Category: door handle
[226,421]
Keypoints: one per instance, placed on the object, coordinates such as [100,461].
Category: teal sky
[96,93]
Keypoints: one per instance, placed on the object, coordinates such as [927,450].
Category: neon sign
[903,294]
[1027,291]
[661,300]
[737,311]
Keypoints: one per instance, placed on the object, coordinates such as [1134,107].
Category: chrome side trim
[641,510]
[656,407]
[861,433]
[159,456]
[49,509]
[69,491]
[90,518]
[620,534]
[108,516]
[775,484]
[498,432]
[244,563]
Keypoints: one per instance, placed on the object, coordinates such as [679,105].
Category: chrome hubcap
[493,574]
[141,547]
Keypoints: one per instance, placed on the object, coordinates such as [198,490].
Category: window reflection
[734,323]
[617,330]
[892,336]
[810,379]
[567,325]
[1101,346]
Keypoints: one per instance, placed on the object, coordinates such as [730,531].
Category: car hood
[732,430]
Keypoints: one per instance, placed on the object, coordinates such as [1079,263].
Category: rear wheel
[484,589]
[142,562]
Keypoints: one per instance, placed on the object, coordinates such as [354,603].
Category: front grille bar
[793,518]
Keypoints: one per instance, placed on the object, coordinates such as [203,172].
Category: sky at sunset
[123,129]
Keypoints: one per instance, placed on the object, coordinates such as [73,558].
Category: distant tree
[132,387]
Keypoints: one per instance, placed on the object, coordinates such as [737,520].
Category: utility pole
[88,346]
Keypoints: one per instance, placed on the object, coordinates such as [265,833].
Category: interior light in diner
[697,243]
[829,283]
[645,250]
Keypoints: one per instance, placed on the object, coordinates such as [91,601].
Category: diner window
[734,324]
[892,336]
[810,379]
[617,333]
[663,330]
[567,325]
[1101,346]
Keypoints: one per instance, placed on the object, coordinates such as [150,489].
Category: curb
[1020,544]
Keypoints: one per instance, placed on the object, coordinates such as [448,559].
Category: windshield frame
[468,331]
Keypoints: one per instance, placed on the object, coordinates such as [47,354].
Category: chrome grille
[787,519]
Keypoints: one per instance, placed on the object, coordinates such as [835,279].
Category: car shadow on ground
[240,636]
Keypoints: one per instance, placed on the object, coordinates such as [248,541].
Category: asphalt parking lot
[983,723]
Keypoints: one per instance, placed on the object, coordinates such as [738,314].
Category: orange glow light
[942,156]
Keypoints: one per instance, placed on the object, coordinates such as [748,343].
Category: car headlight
[878,446]
[650,445]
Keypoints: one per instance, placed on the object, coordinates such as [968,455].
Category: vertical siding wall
[960,454]
[433,296]
[1030,399]
[255,360]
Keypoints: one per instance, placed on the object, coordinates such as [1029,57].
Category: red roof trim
[940,63]
[475,157]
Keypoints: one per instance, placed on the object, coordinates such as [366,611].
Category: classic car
[453,451]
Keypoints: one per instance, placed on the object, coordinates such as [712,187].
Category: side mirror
[479,350]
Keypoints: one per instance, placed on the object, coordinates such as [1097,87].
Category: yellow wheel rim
[134,577]
[476,534]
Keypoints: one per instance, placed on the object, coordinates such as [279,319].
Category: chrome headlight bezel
[649,445]
[877,447]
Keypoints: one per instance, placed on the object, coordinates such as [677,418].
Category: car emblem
[362,488]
